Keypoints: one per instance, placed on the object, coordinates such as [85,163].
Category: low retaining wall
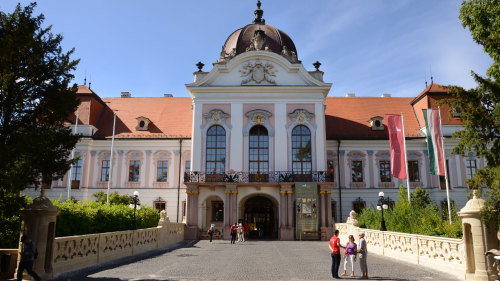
[74,252]
[445,254]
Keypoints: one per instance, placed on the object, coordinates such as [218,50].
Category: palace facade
[256,128]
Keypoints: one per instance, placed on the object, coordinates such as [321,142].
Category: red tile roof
[170,117]
[431,89]
[348,117]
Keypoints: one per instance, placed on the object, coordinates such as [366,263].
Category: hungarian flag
[396,140]
[434,141]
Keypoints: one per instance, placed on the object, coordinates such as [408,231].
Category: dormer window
[142,123]
[376,123]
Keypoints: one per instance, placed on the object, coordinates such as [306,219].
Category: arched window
[301,150]
[216,150]
[258,153]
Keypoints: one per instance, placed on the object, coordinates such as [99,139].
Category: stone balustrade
[445,254]
[74,252]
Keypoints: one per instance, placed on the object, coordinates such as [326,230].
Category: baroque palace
[258,141]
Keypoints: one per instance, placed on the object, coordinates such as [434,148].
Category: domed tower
[247,109]
[258,36]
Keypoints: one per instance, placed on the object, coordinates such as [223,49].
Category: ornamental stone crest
[258,40]
[258,116]
[290,55]
[216,116]
[258,73]
[300,116]
[224,57]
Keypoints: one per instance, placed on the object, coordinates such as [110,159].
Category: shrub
[87,217]
[114,198]
[422,216]
[11,205]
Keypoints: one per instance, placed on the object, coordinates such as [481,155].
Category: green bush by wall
[88,217]
[422,216]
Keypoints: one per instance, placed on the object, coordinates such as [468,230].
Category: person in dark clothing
[211,233]
[234,228]
[28,256]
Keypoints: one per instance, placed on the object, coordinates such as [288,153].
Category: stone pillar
[227,210]
[287,228]
[191,230]
[326,227]
[39,223]
[478,239]
[282,209]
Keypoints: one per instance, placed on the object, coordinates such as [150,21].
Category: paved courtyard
[251,260]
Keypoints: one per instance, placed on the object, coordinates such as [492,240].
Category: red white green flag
[434,141]
[397,143]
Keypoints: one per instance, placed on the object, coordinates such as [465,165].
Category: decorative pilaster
[119,176]
[191,231]
[147,181]
[326,210]
[286,206]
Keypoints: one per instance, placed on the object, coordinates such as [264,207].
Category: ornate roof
[258,36]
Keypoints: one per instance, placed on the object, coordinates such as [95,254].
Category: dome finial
[258,15]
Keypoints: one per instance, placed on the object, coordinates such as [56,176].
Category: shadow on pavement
[83,273]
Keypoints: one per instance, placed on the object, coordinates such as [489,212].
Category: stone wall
[445,254]
[74,252]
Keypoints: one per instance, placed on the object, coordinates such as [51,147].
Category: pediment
[258,68]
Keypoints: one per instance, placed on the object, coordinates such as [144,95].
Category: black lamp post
[381,206]
[136,204]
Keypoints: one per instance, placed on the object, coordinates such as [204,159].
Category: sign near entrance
[306,211]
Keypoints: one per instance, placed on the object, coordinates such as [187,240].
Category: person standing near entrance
[241,231]
[211,233]
[335,251]
[363,255]
[246,229]
[28,256]
[234,229]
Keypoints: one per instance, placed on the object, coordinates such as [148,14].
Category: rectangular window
[330,171]
[183,209]
[357,171]
[442,182]
[162,171]
[358,206]
[76,174]
[217,211]
[413,171]
[471,167]
[385,171]
[160,205]
[133,174]
[334,211]
[105,170]
[187,167]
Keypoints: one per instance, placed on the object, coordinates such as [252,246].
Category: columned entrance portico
[230,210]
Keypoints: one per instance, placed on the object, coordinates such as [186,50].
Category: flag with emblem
[434,141]
[396,140]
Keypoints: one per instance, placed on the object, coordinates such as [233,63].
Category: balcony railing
[247,177]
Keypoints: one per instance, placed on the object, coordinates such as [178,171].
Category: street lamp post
[136,204]
[381,206]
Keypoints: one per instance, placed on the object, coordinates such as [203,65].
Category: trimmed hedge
[88,217]
[422,216]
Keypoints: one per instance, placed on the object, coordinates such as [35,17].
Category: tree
[35,100]
[114,198]
[480,106]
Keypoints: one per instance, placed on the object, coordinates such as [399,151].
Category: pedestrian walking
[335,252]
[350,255]
[363,255]
[234,228]
[246,230]
[241,231]
[28,256]
[210,232]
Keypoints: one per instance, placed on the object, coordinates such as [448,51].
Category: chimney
[385,95]
[350,95]
[126,95]
[168,95]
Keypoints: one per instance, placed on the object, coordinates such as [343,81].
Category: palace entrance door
[259,213]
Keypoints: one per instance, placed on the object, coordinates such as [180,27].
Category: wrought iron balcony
[247,177]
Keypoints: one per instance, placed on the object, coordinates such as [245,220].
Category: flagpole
[70,174]
[445,168]
[406,157]
[111,158]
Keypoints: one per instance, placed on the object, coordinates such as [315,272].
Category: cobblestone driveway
[252,260]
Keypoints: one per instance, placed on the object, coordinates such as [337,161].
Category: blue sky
[368,47]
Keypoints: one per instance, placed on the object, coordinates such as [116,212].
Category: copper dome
[259,36]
